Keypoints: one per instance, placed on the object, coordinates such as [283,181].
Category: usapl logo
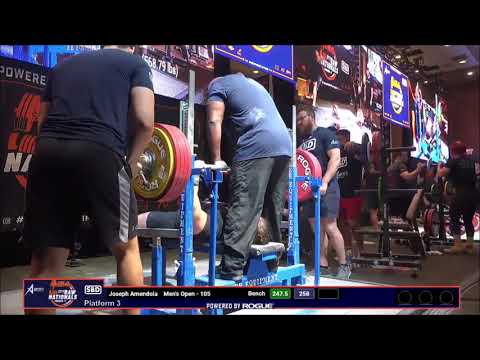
[329,62]
[22,140]
[62,293]
[396,95]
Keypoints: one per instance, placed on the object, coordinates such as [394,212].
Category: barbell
[368,151]
[165,167]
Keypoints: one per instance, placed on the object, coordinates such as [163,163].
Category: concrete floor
[437,270]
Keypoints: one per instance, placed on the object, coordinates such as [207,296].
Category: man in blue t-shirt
[259,176]
[96,118]
[323,143]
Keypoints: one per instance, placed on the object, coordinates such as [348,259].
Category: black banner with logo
[21,87]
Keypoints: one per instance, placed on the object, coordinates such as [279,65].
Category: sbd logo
[93,289]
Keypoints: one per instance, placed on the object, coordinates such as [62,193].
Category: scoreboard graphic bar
[93,294]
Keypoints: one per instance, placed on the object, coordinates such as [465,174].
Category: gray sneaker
[325,271]
[344,272]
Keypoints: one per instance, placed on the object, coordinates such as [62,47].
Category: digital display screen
[170,66]
[429,129]
[45,55]
[329,114]
[370,87]
[271,59]
[324,72]
[395,96]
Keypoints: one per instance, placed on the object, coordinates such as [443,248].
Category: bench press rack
[257,269]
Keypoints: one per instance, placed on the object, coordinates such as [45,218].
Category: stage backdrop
[21,86]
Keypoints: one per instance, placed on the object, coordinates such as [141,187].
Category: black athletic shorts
[70,178]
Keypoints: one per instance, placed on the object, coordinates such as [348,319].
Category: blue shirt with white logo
[254,124]
[318,143]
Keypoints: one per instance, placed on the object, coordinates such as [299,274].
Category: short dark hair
[308,109]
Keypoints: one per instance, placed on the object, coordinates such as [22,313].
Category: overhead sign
[272,59]
[395,96]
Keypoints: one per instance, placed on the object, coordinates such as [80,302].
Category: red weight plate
[183,167]
[186,169]
[307,164]
[178,155]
